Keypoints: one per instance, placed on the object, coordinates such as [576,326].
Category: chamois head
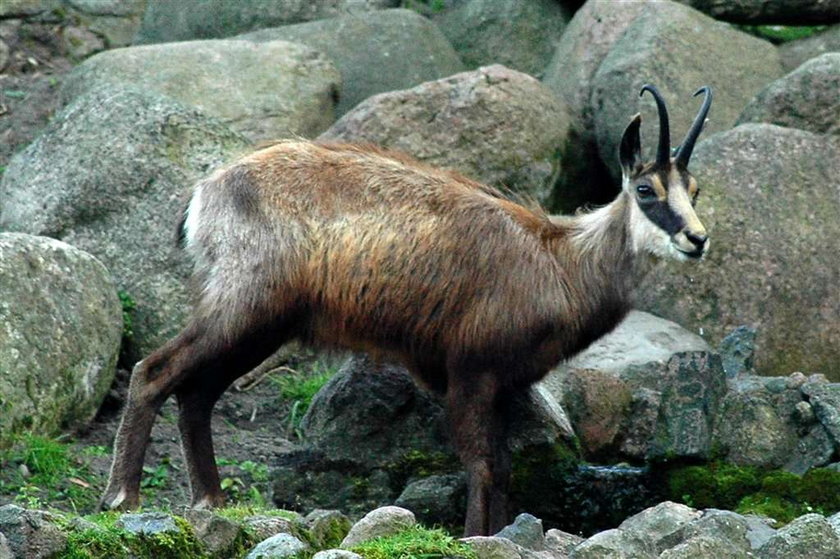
[663,221]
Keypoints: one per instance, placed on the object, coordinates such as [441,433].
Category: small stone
[436,499]
[266,526]
[808,537]
[336,554]
[215,532]
[796,380]
[147,523]
[81,43]
[383,521]
[526,531]
[737,351]
[278,547]
[493,547]
[4,55]
[327,527]
[803,414]
[561,542]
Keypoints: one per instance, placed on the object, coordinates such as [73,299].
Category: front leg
[479,438]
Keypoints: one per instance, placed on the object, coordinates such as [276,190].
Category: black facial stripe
[661,214]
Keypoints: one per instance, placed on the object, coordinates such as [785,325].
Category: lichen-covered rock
[436,499]
[660,522]
[147,523]
[405,48]
[327,527]
[825,402]
[677,49]
[807,98]
[526,531]
[560,542]
[769,202]
[808,537]
[60,331]
[737,351]
[493,548]
[180,21]
[795,53]
[615,544]
[701,547]
[495,125]
[31,534]
[722,528]
[215,532]
[756,12]
[384,521]
[263,90]
[651,394]
[279,546]
[519,35]
[110,175]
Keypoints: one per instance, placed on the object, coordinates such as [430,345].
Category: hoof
[118,500]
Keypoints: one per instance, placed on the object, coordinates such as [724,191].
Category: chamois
[356,247]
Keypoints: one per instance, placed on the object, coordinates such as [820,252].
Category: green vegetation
[781,33]
[416,464]
[129,305]
[425,7]
[298,387]
[36,470]
[415,543]
[778,494]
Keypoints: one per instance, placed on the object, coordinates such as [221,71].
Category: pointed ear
[630,151]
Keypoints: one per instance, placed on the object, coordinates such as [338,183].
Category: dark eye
[645,191]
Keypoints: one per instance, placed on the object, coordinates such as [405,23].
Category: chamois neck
[597,246]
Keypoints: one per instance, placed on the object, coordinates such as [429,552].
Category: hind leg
[196,399]
[198,356]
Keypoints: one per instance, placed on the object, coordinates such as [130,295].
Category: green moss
[129,305]
[778,494]
[416,464]
[413,543]
[782,33]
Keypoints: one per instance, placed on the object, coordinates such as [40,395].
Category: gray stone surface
[215,532]
[561,542]
[336,554]
[405,48]
[825,401]
[207,19]
[436,499]
[31,534]
[263,90]
[525,531]
[384,521]
[702,547]
[279,546]
[327,527]
[762,12]
[725,529]
[5,550]
[807,98]
[493,548]
[768,265]
[615,544]
[495,125]
[519,35]
[60,331]
[110,175]
[677,49]
[587,40]
[147,523]
[796,53]
[808,537]
[661,523]
[737,351]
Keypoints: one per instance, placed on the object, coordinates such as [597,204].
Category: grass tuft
[415,543]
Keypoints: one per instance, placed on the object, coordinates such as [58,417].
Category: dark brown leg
[197,364]
[471,406]
[196,400]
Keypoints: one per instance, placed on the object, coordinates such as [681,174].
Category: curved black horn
[684,151]
[663,152]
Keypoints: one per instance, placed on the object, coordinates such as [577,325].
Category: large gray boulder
[769,201]
[784,12]
[807,98]
[495,125]
[808,537]
[677,49]
[647,388]
[405,49]
[31,534]
[110,175]
[795,53]
[209,19]
[265,91]
[767,422]
[587,40]
[60,335]
[519,35]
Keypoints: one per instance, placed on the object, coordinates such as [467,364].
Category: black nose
[697,240]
